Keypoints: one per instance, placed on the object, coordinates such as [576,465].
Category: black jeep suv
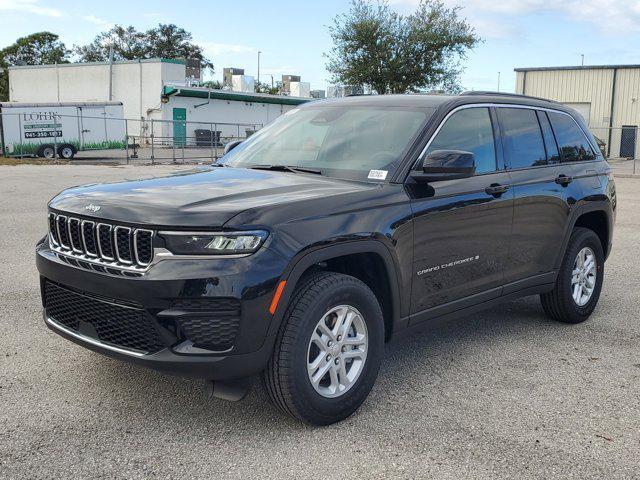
[334,229]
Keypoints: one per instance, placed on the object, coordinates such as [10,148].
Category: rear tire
[326,298]
[577,291]
[66,151]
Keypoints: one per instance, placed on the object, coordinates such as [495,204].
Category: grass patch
[31,148]
[31,161]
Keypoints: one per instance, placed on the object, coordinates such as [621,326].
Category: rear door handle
[496,189]
[564,180]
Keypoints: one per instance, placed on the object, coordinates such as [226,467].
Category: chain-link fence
[105,137]
[621,146]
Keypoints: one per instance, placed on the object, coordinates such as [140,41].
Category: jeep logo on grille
[92,207]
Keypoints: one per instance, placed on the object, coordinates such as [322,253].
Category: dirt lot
[505,393]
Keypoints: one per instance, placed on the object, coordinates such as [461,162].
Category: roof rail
[503,94]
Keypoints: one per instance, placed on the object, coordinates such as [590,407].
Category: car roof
[436,100]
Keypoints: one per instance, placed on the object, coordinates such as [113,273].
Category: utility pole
[498,81]
[259,52]
[111,71]
[582,55]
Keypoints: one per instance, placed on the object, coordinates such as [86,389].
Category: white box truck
[51,130]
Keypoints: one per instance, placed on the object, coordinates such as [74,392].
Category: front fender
[313,255]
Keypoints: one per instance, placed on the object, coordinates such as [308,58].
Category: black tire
[286,379]
[66,151]
[46,151]
[559,304]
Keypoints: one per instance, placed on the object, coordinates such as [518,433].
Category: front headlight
[222,243]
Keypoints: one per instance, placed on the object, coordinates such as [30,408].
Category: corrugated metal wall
[573,86]
[593,86]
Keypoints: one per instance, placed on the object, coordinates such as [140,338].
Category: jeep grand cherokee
[338,227]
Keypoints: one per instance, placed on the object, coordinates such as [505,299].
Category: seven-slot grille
[107,244]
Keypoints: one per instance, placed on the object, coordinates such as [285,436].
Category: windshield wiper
[286,168]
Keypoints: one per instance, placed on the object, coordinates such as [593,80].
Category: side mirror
[445,165]
[231,145]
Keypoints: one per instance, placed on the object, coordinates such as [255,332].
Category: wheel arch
[351,258]
[596,217]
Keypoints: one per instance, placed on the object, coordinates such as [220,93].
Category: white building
[151,89]
[607,96]
[137,84]
[186,109]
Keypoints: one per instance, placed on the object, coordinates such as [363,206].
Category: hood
[203,198]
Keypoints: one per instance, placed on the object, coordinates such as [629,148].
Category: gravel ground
[504,393]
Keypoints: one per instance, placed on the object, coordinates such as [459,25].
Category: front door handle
[496,189]
[564,180]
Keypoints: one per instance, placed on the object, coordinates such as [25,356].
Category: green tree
[39,48]
[170,41]
[213,84]
[127,44]
[264,87]
[164,41]
[387,52]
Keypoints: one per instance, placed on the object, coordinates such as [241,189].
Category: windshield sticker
[377,174]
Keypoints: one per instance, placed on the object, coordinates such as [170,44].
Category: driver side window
[469,130]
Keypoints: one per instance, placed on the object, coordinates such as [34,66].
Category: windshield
[337,141]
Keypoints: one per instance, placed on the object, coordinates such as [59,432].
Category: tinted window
[521,137]
[572,142]
[553,155]
[469,130]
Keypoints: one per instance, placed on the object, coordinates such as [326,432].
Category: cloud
[609,16]
[156,17]
[98,21]
[29,6]
[216,49]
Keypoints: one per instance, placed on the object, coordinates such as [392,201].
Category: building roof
[213,94]
[578,67]
[57,104]
[117,62]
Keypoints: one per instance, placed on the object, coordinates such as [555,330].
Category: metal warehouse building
[607,96]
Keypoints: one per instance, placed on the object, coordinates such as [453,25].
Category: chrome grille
[104,244]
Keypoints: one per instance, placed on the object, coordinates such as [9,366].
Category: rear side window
[573,144]
[522,137]
[553,155]
[469,130]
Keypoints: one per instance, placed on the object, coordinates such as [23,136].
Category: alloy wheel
[337,351]
[583,276]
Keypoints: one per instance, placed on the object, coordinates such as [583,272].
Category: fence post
[211,139]
[152,144]
[218,140]
[55,136]
[126,138]
[173,141]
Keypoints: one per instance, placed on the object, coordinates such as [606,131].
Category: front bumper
[211,367]
[249,282]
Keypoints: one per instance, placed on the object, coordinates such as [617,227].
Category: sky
[293,35]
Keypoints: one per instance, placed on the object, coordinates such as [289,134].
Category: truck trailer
[51,130]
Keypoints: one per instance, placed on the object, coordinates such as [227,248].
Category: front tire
[579,281]
[328,350]
[47,151]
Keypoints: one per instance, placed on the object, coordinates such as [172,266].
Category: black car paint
[311,219]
